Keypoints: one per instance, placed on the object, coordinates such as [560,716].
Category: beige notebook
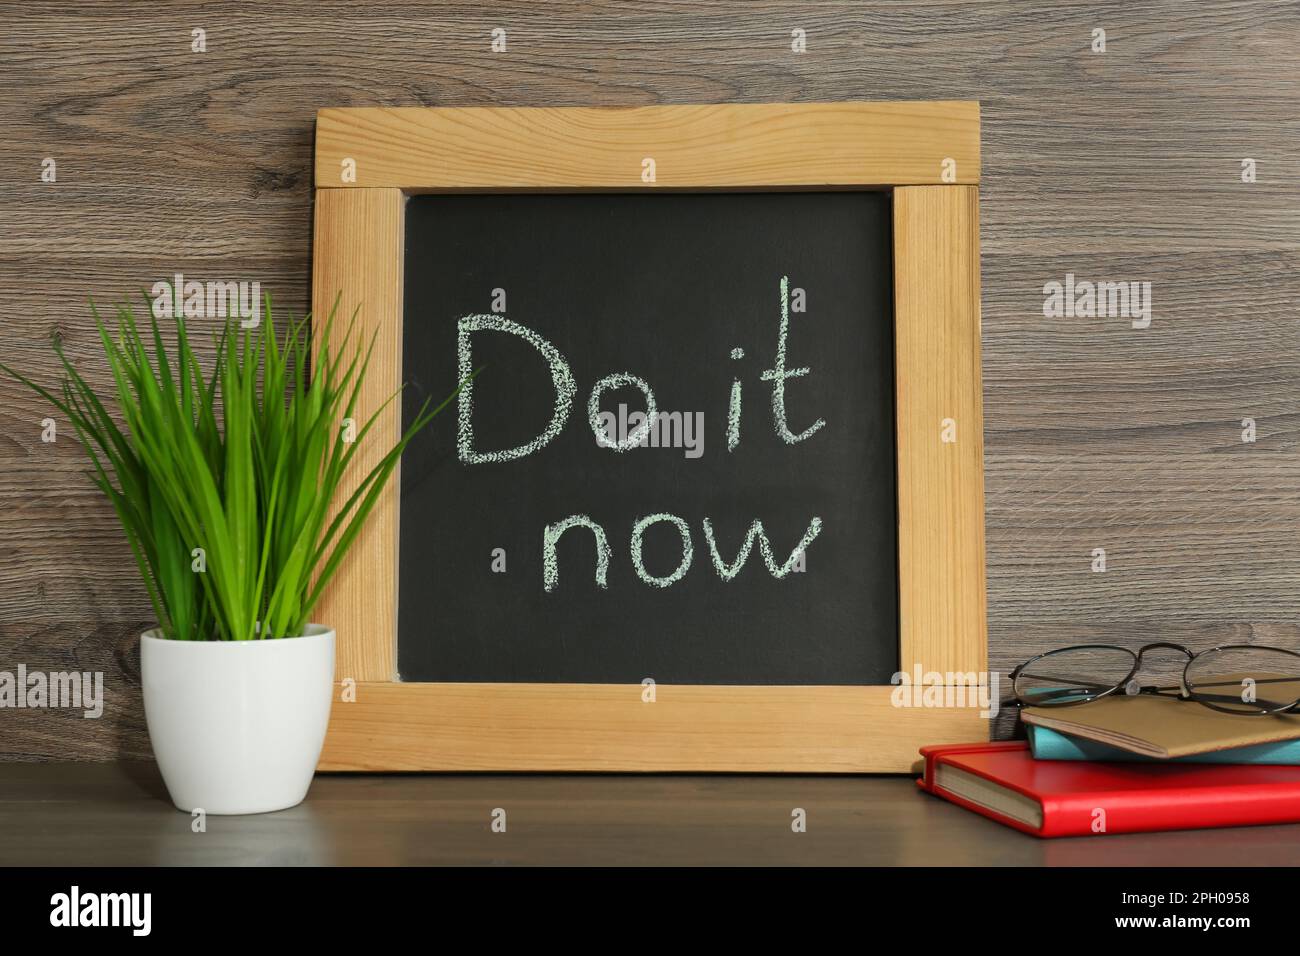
[1162,726]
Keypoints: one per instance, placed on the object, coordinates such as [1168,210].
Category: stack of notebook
[1127,764]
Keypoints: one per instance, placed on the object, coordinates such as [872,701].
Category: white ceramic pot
[237,726]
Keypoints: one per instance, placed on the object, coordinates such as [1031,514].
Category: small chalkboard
[782,569]
[551,532]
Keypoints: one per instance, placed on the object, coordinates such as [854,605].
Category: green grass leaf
[244,461]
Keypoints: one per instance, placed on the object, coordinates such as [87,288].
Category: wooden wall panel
[1122,165]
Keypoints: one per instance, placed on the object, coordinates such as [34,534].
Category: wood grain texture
[358,263]
[940,435]
[393,726]
[703,147]
[1123,165]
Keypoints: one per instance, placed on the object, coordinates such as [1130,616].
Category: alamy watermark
[77,908]
[61,690]
[922,688]
[666,430]
[1083,298]
[217,299]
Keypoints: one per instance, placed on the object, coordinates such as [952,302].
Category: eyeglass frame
[1183,692]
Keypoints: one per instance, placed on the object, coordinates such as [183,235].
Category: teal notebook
[1053,745]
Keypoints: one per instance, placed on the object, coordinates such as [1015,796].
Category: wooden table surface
[117,814]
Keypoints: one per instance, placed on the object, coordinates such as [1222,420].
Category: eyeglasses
[1241,679]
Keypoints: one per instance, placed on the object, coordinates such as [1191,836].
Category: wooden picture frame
[368,160]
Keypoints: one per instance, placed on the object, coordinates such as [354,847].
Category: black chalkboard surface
[684,292]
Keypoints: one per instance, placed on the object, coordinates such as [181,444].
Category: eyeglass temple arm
[1153,690]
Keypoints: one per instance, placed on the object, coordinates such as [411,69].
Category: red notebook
[1051,798]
